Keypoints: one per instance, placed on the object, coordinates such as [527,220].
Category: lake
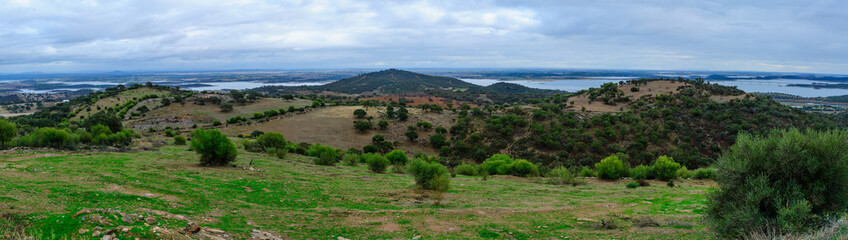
[772,85]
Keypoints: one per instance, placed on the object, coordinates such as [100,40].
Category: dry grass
[121,98]
[189,113]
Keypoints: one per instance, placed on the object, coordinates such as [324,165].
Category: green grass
[301,200]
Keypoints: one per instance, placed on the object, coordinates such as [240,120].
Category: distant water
[773,85]
[248,85]
[212,86]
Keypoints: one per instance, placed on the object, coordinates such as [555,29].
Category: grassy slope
[300,200]
[119,100]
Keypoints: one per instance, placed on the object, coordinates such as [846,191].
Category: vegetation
[787,181]
[665,168]
[397,157]
[215,148]
[611,168]
[179,140]
[7,132]
[377,163]
[430,175]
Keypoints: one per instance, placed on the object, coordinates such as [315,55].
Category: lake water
[774,85]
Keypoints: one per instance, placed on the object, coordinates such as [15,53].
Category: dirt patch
[138,192]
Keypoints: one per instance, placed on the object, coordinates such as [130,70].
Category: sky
[152,35]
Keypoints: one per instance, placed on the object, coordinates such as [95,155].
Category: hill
[394,81]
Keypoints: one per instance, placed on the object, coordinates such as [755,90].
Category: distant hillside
[394,81]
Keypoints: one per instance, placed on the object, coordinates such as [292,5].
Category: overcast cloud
[91,35]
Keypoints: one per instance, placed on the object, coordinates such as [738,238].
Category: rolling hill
[394,81]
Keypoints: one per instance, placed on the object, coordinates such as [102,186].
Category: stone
[150,220]
[192,227]
[416,237]
[82,231]
[106,237]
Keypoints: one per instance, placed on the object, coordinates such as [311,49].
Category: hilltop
[394,81]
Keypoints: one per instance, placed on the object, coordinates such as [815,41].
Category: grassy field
[294,199]
[121,98]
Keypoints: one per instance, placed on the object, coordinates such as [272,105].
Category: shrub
[359,113]
[466,169]
[587,172]
[438,140]
[50,137]
[632,185]
[277,152]
[704,173]
[377,163]
[397,157]
[562,176]
[683,173]
[430,175]
[179,140]
[787,181]
[611,168]
[523,168]
[272,140]
[370,149]
[325,158]
[641,172]
[666,168]
[496,163]
[324,155]
[350,159]
[362,126]
[215,148]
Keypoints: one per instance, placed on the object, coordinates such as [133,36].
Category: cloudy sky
[93,35]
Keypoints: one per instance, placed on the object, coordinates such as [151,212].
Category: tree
[109,120]
[272,140]
[441,130]
[377,163]
[362,126]
[438,140]
[215,148]
[8,131]
[787,181]
[665,168]
[288,97]
[411,135]
[403,114]
[397,157]
[383,124]
[359,113]
[611,168]
[430,175]
[179,140]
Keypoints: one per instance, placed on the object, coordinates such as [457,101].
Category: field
[122,98]
[334,126]
[66,193]
[188,114]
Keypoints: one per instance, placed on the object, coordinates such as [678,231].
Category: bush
[466,169]
[611,168]
[432,176]
[683,173]
[397,157]
[50,137]
[632,185]
[587,172]
[438,140]
[523,168]
[324,155]
[350,159]
[641,172]
[704,173]
[377,163]
[497,164]
[8,131]
[562,176]
[215,148]
[277,152]
[272,140]
[179,140]
[666,168]
[325,158]
[787,181]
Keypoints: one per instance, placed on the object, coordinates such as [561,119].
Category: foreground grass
[299,200]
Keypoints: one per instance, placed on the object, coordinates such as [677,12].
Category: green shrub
[397,157]
[611,168]
[271,140]
[8,131]
[350,159]
[523,168]
[683,173]
[466,169]
[704,173]
[562,176]
[326,158]
[632,185]
[377,163]
[50,137]
[787,181]
[430,175]
[641,172]
[587,172]
[277,152]
[215,148]
[497,164]
[179,140]
[316,150]
[666,168]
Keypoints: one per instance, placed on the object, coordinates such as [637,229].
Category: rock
[95,233]
[265,235]
[192,227]
[150,220]
[416,237]
[342,238]
[106,237]
[127,219]
[82,231]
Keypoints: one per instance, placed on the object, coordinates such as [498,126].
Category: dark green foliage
[430,175]
[393,81]
[523,168]
[563,176]
[403,114]
[642,172]
[438,140]
[587,172]
[704,173]
[377,163]
[497,164]
[350,159]
[632,185]
[397,157]
[179,140]
[411,135]
[50,137]
[215,148]
[104,118]
[787,181]
[359,113]
[665,168]
[383,124]
[611,168]
[362,126]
